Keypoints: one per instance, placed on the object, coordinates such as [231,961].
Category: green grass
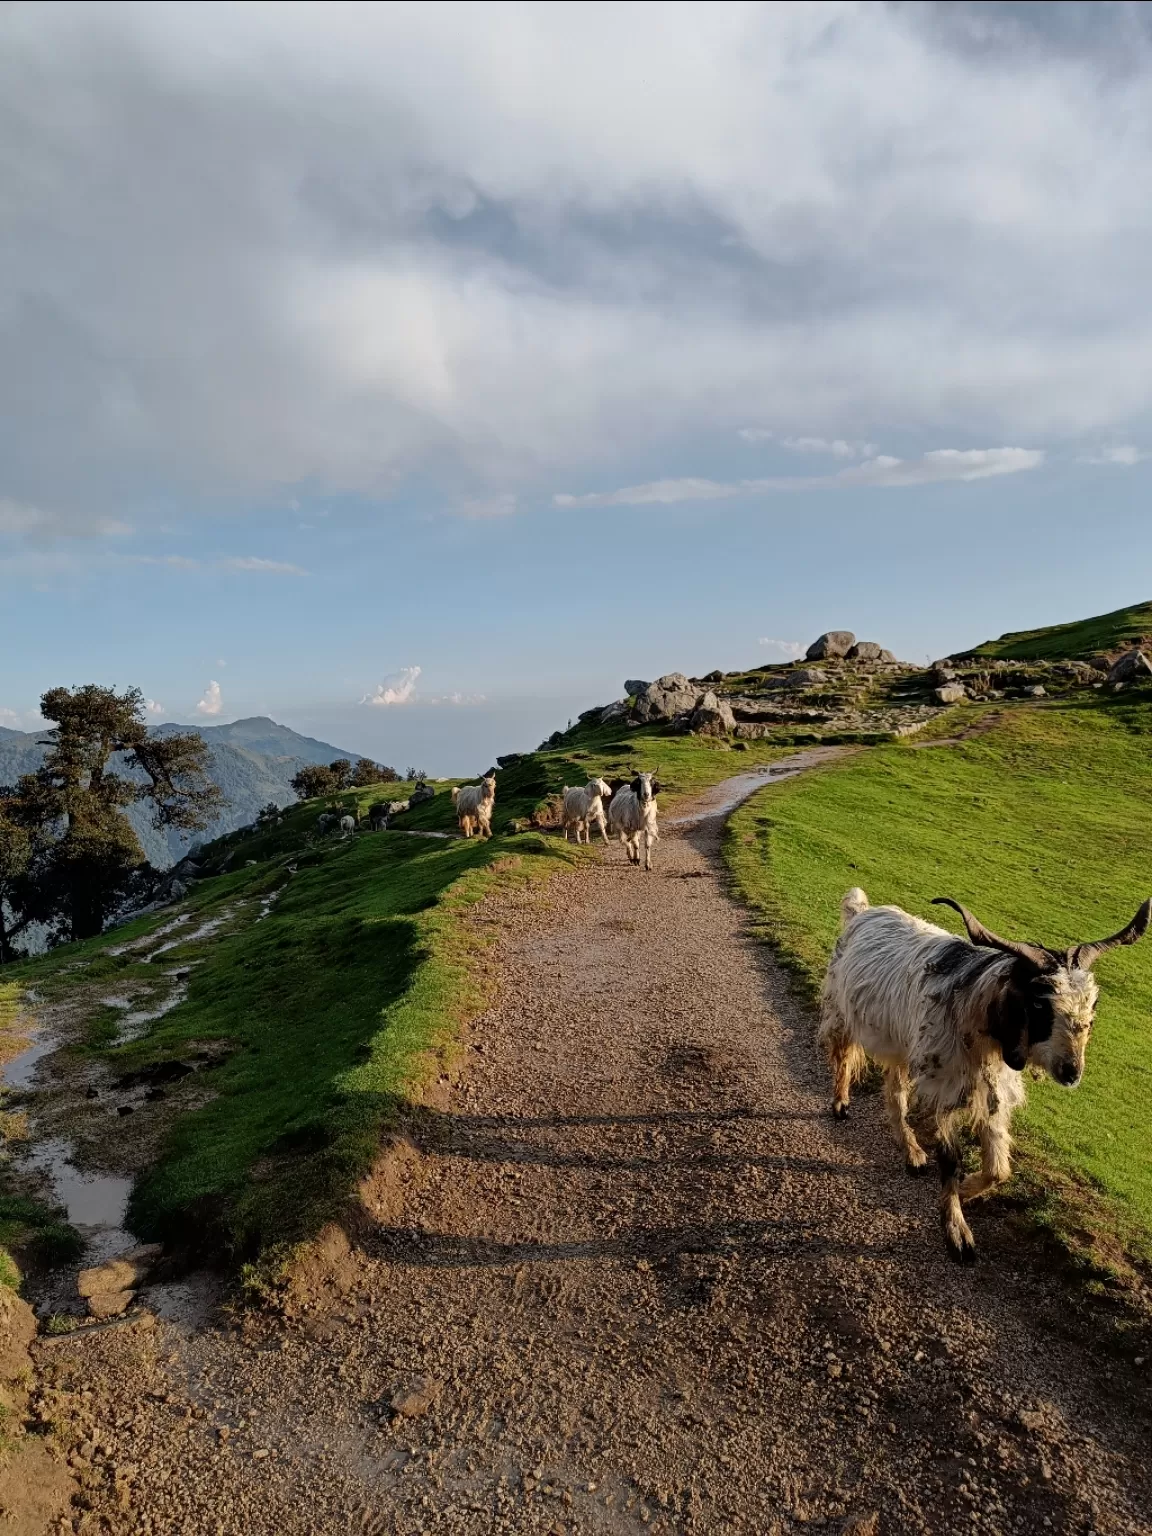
[1076,641]
[1042,827]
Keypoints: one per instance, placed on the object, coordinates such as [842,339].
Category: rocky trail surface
[630,1276]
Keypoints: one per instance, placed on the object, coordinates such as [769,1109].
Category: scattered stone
[1036,691]
[834,642]
[126,1270]
[951,693]
[414,1400]
[110,1303]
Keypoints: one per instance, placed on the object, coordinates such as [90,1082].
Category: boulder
[634,687]
[867,650]
[714,677]
[617,711]
[943,673]
[951,693]
[508,759]
[666,698]
[712,717]
[807,677]
[834,642]
[1132,667]
[1100,662]
[1035,691]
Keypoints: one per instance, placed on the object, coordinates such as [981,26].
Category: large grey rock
[951,693]
[1132,667]
[617,711]
[887,656]
[834,642]
[1100,663]
[634,687]
[866,650]
[807,677]
[666,698]
[712,717]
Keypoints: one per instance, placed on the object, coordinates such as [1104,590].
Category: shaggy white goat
[474,804]
[584,809]
[954,1024]
[347,826]
[632,815]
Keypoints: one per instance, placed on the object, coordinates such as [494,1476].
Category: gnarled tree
[101,759]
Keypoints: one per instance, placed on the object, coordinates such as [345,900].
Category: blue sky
[536,347]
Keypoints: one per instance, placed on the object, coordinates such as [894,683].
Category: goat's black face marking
[637,788]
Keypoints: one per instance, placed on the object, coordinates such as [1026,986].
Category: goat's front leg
[957,1232]
[603,830]
[896,1086]
[647,850]
[995,1155]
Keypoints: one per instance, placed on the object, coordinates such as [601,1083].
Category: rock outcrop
[833,643]
[712,717]
[1132,667]
[951,693]
[666,698]
[635,686]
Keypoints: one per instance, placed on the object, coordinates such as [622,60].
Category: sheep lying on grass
[954,1024]
[632,817]
[584,809]
[474,804]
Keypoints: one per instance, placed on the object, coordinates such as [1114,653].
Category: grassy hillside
[314,1019]
[1074,642]
[1042,827]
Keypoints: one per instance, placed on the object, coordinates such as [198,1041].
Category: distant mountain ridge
[253,761]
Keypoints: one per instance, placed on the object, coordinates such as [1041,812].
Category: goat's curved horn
[989,940]
[1083,956]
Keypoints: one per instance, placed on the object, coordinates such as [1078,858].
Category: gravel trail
[633,1277]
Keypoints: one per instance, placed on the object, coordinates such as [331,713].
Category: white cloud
[272,567]
[838,447]
[20,517]
[459,698]
[10,718]
[155,708]
[212,702]
[22,720]
[412,241]
[786,647]
[941,464]
[399,688]
[502,505]
[1125,454]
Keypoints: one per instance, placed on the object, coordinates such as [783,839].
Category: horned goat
[474,804]
[632,816]
[954,1024]
[584,809]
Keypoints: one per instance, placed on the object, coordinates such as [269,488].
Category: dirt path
[640,1280]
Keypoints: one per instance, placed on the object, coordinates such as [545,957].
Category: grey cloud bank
[248,248]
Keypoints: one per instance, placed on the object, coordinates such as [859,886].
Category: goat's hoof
[916,1170]
[840,1111]
[962,1249]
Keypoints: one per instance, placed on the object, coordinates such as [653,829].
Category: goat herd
[953,1023]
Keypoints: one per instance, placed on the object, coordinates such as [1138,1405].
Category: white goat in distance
[584,809]
[474,804]
[632,816]
[954,1024]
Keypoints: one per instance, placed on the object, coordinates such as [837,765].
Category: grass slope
[324,1018]
[1042,827]
[1073,642]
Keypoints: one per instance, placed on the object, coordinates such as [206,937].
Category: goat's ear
[1083,956]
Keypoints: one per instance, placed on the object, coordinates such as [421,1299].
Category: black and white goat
[954,1024]
[632,817]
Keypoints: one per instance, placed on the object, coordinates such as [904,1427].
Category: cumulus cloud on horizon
[1121,454]
[212,701]
[883,471]
[411,242]
[838,447]
[399,688]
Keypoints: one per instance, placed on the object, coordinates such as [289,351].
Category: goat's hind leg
[957,1232]
[896,1085]
[845,1057]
